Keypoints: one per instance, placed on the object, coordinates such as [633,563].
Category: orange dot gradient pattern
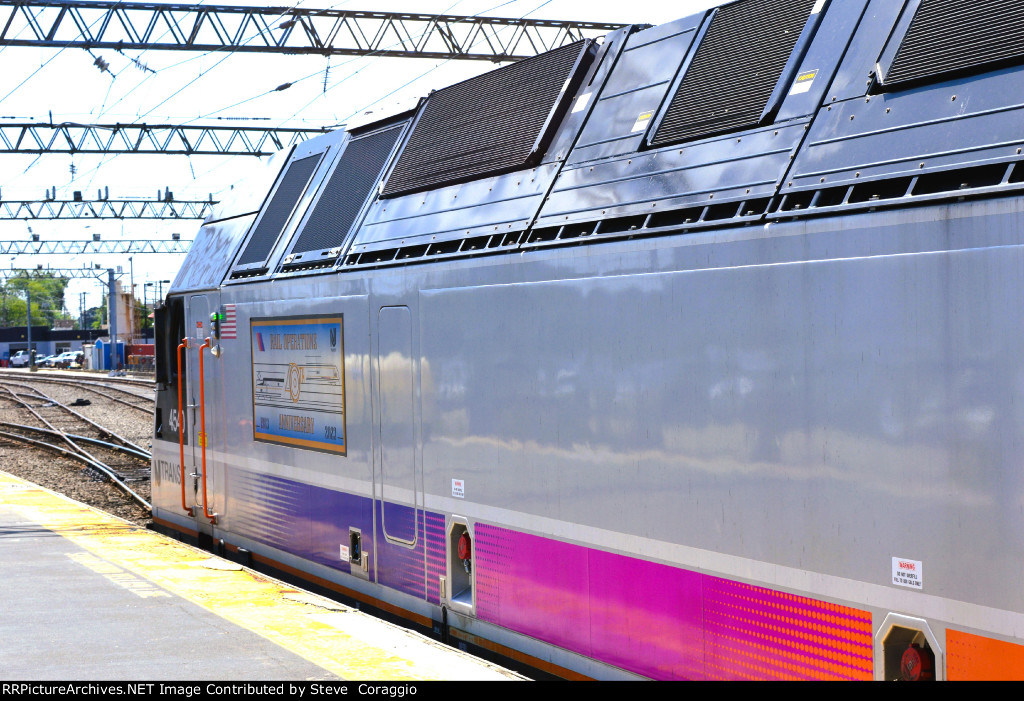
[751,632]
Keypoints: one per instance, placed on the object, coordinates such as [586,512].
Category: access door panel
[197,326]
[204,397]
[396,416]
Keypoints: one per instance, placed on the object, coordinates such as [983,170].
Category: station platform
[88,596]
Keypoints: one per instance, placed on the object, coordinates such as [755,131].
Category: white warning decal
[581,102]
[642,120]
[803,82]
[458,489]
[907,573]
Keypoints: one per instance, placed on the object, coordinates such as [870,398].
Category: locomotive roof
[752,112]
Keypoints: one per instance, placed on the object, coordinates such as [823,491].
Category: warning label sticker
[581,102]
[907,573]
[803,82]
[642,120]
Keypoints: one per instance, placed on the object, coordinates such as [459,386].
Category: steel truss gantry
[76,247]
[116,208]
[197,140]
[73,273]
[185,27]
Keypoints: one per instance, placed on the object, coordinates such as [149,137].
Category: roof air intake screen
[494,123]
[734,72]
[274,219]
[357,172]
[948,36]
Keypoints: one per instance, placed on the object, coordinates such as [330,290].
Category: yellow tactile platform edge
[339,639]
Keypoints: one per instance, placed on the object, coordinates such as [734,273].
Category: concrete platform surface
[88,596]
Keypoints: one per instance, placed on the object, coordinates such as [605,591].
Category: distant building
[45,340]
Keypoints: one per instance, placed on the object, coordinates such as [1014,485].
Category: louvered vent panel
[486,125]
[949,36]
[350,184]
[293,184]
[734,72]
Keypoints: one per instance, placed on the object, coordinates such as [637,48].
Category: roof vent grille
[952,36]
[733,74]
[354,177]
[494,123]
[277,213]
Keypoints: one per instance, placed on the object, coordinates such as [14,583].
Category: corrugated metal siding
[948,36]
[351,183]
[293,184]
[486,125]
[734,72]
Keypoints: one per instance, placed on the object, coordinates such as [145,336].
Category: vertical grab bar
[181,430]
[202,428]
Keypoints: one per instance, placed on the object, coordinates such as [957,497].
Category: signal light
[215,319]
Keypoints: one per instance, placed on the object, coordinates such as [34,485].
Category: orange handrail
[181,430]
[202,429]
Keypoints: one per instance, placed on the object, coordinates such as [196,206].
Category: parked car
[49,361]
[20,359]
[67,359]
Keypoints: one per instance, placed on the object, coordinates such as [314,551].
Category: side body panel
[694,416]
[771,409]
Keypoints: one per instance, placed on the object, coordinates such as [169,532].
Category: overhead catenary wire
[89,172]
[92,172]
[104,161]
[373,58]
[19,85]
[365,65]
[410,82]
[307,77]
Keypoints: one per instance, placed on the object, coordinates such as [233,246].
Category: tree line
[49,306]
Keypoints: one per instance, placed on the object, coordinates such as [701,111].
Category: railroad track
[56,427]
[139,398]
[137,386]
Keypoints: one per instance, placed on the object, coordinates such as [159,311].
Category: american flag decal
[229,327]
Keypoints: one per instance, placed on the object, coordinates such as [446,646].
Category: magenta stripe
[661,621]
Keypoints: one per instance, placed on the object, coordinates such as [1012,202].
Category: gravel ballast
[66,476]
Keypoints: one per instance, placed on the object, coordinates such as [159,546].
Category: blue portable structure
[101,354]
[690,353]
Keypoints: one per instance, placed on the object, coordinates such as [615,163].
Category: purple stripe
[433,533]
[652,619]
[399,566]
